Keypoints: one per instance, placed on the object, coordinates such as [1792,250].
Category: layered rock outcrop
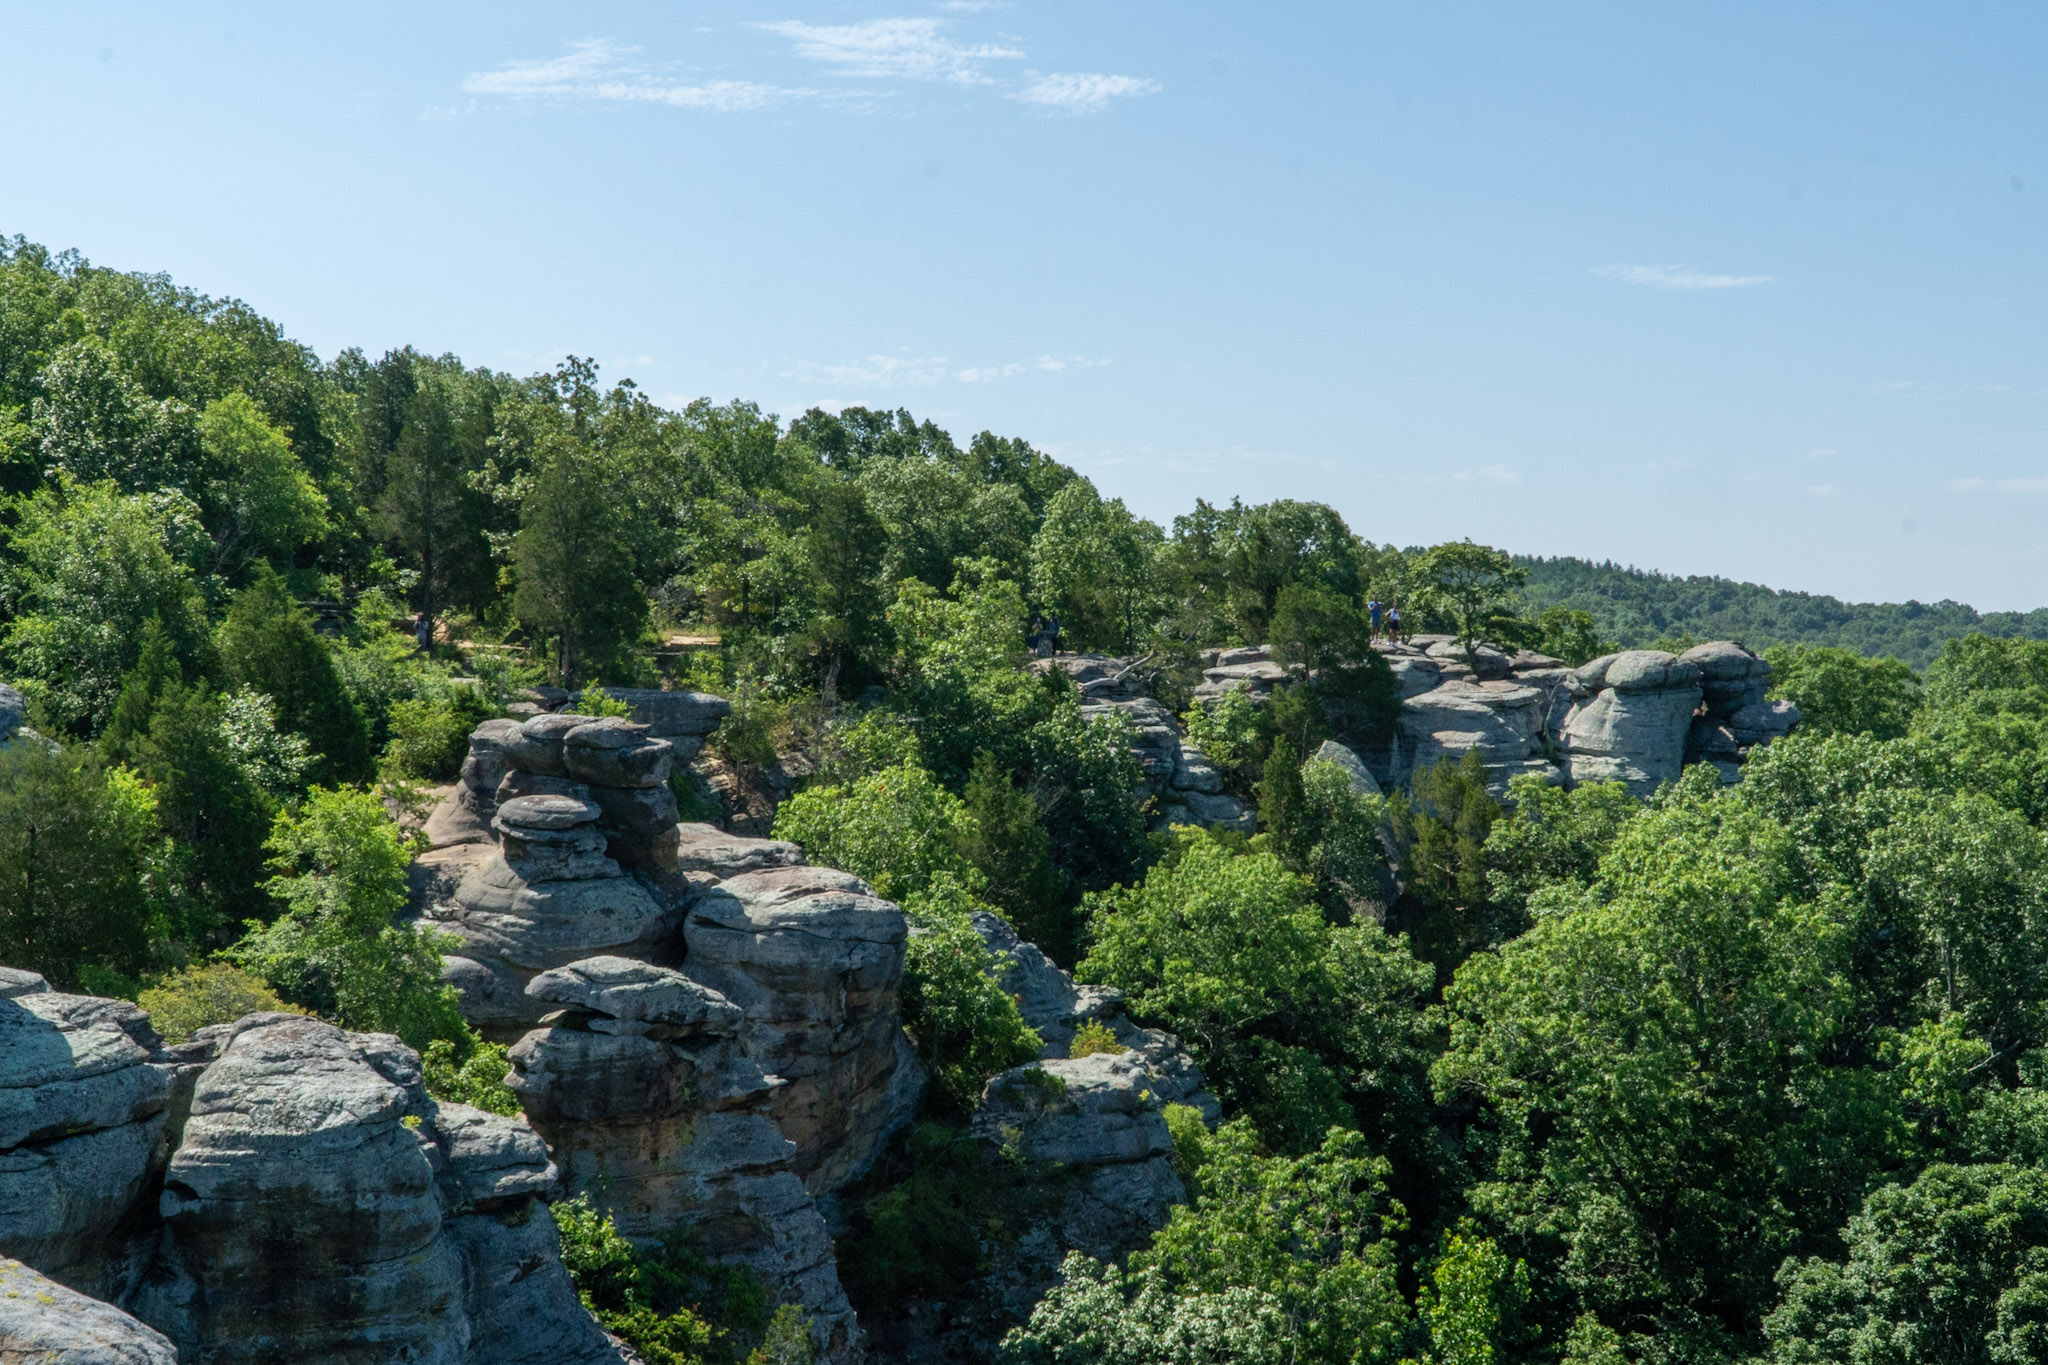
[1734,717]
[814,960]
[651,1106]
[277,1189]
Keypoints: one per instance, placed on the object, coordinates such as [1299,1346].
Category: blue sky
[1755,290]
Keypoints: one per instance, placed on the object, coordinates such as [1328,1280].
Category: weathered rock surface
[1155,737]
[713,852]
[815,962]
[44,1323]
[652,1106]
[1630,718]
[84,1094]
[321,1207]
[1502,721]
[1362,780]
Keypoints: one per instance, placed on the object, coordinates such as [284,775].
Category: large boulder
[1155,738]
[649,1101]
[321,1207]
[1631,717]
[44,1323]
[684,719]
[1502,721]
[84,1094]
[814,960]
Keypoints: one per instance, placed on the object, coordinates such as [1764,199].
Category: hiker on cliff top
[1372,609]
[1394,622]
[1054,626]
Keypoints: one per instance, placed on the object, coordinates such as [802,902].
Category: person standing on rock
[1054,627]
[1372,609]
[1394,622]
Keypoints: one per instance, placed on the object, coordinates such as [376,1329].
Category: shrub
[669,1303]
[897,829]
[1092,1037]
[1227,731]
[477,1079]
[214,993]
[966,1028]
[1190,1134]
[430,736]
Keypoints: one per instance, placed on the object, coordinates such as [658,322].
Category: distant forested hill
[1636,607]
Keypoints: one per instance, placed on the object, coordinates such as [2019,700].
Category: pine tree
[267,642]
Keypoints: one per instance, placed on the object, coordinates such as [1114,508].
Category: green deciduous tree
[1839,692]
[266,642]
[1473,581]
[257,497]
[92,567]
[77,845]
[339,947]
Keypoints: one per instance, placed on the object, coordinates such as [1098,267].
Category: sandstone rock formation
[814,961]
[44,1323]
[1630,717]
[277,1189]
[652,1106]
[1736,717]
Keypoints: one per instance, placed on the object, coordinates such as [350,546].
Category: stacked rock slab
[549,893]
[814,960]
[84,1097]
[1630,716]
[1735,718]
[276,1189]
[653,1108]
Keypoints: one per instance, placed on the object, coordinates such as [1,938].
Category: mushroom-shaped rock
[43,1322]
[490,1159]
[637,992]
[537,748]
[1633,713]
[538,816]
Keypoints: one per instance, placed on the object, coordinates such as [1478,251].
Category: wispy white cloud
[598,69]
[1486,473]
[1677,277]
[1083,92]
[2036,485]
[900,49]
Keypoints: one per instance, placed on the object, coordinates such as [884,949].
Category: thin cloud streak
[1677,277]
[596,69]
[1084,93]
[900,49]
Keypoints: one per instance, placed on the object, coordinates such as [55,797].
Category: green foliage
[1440,833]
[1296,1023]
[965,1026]
[1571,635]
[1276,1259]
[1008,845]
[1636,607]
[1472,581]
[920,1234]
[1665,1118]
[1093,1037]
[1190,1134]
[193,998]
[670,1304]
[430,737]
[1093,566]
[77,854]
[91,567]
[1472,1302]
[1552,837]
[1337,841]
[1841,693]
[595,701]
[896,829]
[258,498]
[1282,802]
[1227,731]
[208,803]
[1951,1269]
[338,948]
[267,643]
[577,587]
[478,1079]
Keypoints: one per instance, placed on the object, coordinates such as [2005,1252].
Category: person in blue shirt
[1373,609]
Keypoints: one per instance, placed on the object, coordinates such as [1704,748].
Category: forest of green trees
[1748,1072]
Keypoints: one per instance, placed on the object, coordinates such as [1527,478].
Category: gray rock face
[1502,721]
[1631,718]
[84,1091]
[709,850]
[1155,738]
[44,1323]
[1487,663]
[1362,780]
[320,1207]
[1193,772]
[653,1107]
[675,716]
[815,963]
